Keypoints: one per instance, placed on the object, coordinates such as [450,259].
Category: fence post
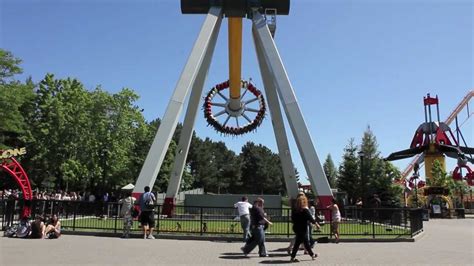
[405,214]
[74,218]
[116,216]
[373,222]
[158,220]
[2,213]
[200,219]
[288,223]
[330,221]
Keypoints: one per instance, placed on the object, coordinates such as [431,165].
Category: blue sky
[351,63]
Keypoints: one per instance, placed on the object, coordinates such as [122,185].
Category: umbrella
[128,187]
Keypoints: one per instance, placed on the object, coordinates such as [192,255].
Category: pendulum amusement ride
[433,141]
[243,108]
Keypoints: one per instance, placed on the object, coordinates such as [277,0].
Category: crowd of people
[61,195]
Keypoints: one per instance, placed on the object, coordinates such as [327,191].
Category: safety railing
[81,216]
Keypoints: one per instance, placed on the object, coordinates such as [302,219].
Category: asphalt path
[443,242]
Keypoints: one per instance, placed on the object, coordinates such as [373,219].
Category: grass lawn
[347,229]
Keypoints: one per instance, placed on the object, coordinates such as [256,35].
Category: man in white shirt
[243,207]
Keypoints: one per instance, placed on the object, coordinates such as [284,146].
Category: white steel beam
[277,122]
[190,118]
[160,144]
[300,132]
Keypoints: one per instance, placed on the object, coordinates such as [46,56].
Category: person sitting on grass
[53,230]
[37,228]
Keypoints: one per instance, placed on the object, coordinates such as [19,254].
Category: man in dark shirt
[257,225]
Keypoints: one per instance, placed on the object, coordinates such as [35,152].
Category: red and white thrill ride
[14,169]
[433,140]
[276,84]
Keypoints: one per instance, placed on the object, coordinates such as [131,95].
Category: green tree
[204,166]
[330,171]
[9,67]
[441,179]
[15,100]
[349,175]
[83,139]
[261,170]
[228,169]
[394,191]
[439,176]
[377,175]
[45,141]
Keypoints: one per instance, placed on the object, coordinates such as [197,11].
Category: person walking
[147,216]
[300,218]
[312,211]
[336,219]
[243,208]
[257,228]
[293,206]
[126,213]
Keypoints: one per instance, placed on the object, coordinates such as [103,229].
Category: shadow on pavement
[280,250]
[234,257]
[232,253]
[278,255]
[275,261]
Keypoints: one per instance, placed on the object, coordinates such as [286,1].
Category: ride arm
[406,153]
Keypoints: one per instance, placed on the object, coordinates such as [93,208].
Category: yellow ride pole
[430,156]
[235,61]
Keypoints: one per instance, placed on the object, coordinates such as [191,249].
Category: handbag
[134,212]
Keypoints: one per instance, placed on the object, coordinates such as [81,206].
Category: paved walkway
[444,242]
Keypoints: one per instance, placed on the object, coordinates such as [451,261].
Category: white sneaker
[151,237]
[144,237]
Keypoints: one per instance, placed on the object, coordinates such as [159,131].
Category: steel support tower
[277,88]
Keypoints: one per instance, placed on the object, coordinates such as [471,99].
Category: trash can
[460,213]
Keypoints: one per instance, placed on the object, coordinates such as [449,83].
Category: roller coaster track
[464,103]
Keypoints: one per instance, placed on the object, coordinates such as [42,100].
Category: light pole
[362,179]
[415,177]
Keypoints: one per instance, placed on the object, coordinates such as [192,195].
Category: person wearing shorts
[147,216]
[336,219]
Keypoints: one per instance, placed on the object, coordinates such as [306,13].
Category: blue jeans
[257,239]
[245,223]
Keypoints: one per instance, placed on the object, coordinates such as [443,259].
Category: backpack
[10,231]
[149,204]
[23,229]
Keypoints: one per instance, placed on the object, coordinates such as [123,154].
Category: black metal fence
[80,216]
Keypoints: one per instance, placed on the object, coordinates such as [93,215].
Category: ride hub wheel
[225,119]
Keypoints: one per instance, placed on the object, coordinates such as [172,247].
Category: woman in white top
[336,219]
